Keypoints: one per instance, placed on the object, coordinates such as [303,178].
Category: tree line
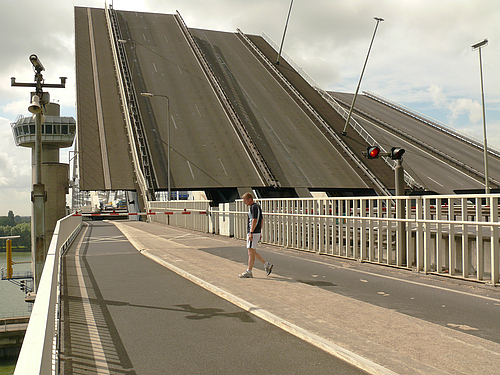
[12,225]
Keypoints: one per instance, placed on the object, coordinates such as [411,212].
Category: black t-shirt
[255,212]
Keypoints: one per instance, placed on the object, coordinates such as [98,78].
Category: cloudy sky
[421,57]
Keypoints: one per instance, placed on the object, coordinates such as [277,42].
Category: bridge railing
[454,235]
[39,353]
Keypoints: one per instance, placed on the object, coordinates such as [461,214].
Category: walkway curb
[336,350]
[293,329]
[376,339]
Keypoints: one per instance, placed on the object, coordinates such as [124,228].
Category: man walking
[254,231]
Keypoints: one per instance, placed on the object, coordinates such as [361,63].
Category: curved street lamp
[474,47]
[344,132]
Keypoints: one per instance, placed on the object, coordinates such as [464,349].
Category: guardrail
[131,115]
[253,152]
[39,353]
[15,323]
[449,235]
[425,146]
[467,138]
[363,133]
[322,122]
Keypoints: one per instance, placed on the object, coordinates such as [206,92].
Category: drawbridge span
[236,122]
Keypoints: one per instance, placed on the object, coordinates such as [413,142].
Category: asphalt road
[297,152]
[205,150]
[437,175]
[149,320]
[466,306]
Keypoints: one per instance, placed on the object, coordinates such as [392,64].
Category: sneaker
[268,268]
[246,275]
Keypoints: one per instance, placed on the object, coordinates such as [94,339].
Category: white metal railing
[453,235]
[39,352]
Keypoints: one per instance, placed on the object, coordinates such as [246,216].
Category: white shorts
[255,240]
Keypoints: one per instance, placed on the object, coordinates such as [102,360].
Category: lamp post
[123,42]
[478,46]
[150,95]
[344,132]
[284,33]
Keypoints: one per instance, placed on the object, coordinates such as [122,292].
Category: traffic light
[372,152]
[397,153]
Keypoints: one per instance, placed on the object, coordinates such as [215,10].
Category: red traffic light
[372,152]
[397,153]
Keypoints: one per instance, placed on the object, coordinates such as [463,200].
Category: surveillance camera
[36,63]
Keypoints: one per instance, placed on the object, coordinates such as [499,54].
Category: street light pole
[478,46]
[150,95]
[344,132]
[284,33]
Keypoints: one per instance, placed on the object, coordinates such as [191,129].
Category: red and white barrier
[150,212]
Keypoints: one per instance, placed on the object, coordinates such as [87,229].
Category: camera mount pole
[38,195]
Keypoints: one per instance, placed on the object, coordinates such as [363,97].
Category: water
[11,297]
[7,367]
[12,302]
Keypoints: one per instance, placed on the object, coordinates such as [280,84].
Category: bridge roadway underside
[206,152]
[103,152]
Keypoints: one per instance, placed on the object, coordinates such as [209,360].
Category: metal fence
[451,235]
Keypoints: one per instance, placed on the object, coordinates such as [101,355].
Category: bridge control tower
[57,132]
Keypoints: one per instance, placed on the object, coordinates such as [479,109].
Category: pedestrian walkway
[122,313]
[376,339]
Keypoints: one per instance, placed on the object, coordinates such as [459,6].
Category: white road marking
[463,327]
[248,97]
[173,121]
[224,169]
[290,121]
[197,109]
[295,330]
[107,239]
[100,118]
[154,66]
[277,137]
[190,169]
[95,340]
[434,181]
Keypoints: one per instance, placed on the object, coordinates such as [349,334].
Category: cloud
[456,107]
[437,96]
[15,108]
[466,106]
[15,173]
